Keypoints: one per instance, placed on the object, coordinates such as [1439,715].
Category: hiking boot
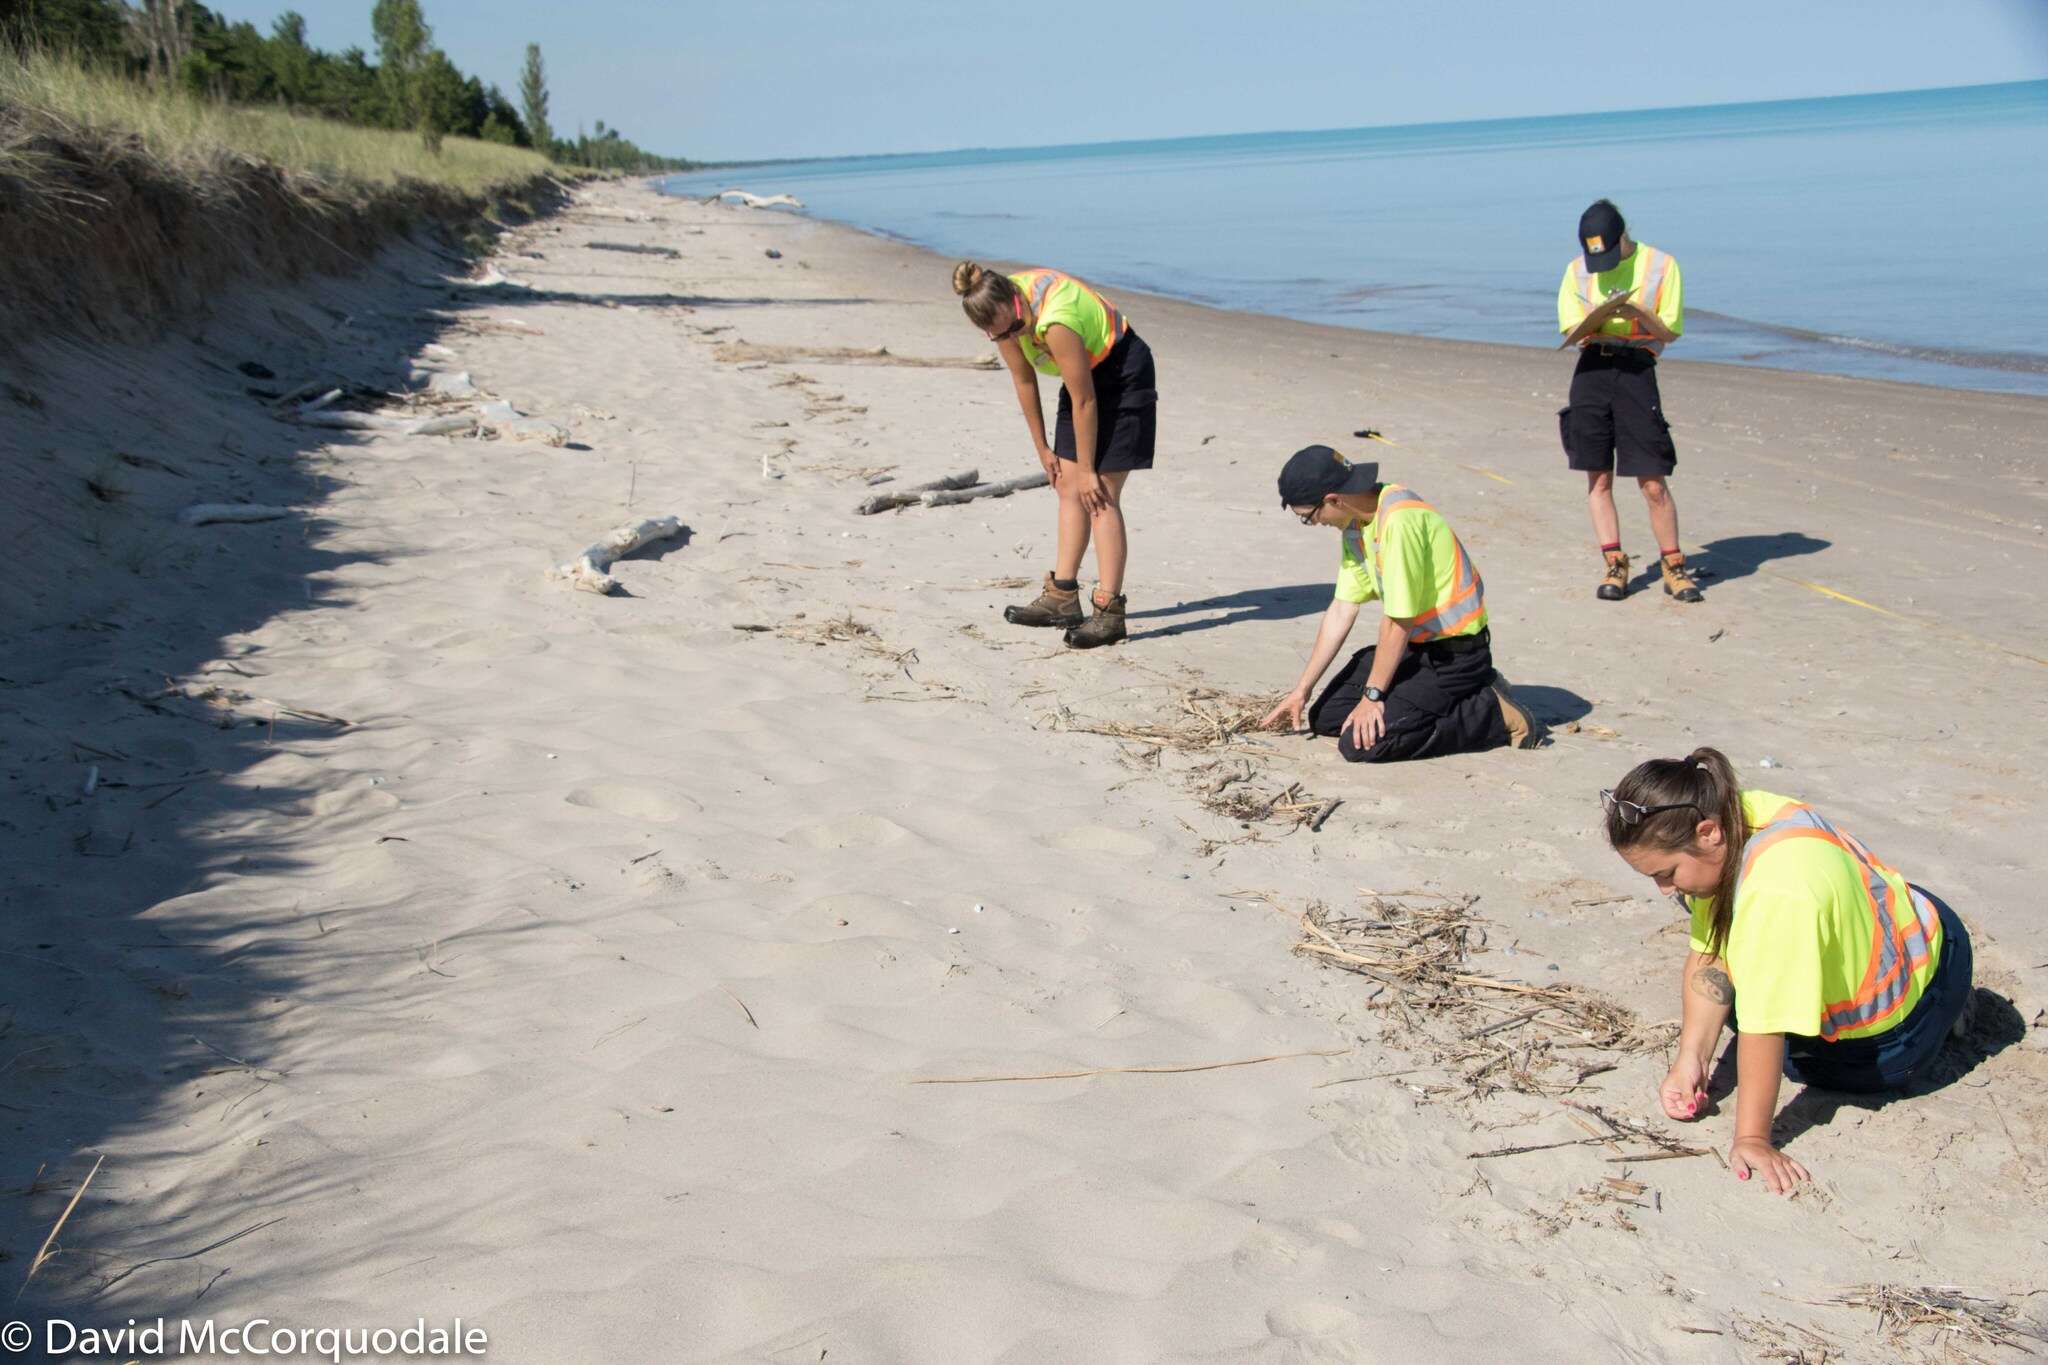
[1677,582]
[1052,607]
[1105,627]
[1524,730]
[1614,586]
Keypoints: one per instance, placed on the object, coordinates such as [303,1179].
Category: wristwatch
[1374,694]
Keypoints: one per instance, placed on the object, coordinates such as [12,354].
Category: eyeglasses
[1634,813]
[1308,518]
[1018,305]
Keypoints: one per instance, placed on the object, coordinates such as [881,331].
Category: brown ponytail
[1700,786]
[984,294]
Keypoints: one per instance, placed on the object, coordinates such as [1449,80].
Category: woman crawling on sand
[1107,422]
[1839,972]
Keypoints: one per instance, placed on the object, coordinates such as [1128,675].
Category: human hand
[1756,1156]
[1366,723]
[1289,711]
[1051,464]
[1094,496]
[1684,1091]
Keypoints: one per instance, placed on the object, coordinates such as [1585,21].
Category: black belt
[1619,348]
[1461,644]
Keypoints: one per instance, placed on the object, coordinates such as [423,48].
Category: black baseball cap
[1314,472]
[1600,230]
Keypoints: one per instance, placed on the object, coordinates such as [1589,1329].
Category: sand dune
[577,984]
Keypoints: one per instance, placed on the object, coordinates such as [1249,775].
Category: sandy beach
[415,936]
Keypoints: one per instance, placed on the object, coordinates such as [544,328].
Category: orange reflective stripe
[1042,283]
[1466,601]
[1901,944]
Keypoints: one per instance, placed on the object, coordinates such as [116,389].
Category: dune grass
[45,96]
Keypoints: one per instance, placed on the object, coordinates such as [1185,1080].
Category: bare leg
[1073,525]
[1600,502]
[1111,548]
[1663,512]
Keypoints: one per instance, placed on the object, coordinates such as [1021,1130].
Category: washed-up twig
[736,352]
[954,497]
[43,1251]
[906,497]
[1125,1070]
[1202,718]
[743,1006]
[634,862]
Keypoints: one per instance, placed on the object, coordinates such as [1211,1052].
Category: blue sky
[777,78]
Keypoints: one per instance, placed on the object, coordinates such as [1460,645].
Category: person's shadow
[1552,705]
[1253,604]
[1732,557]
[1995,1026]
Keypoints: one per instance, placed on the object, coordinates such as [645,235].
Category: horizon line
[722,164]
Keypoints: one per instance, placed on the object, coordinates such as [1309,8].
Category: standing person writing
[1044,322]
[1621,303]
[1426,686]
[1835,969]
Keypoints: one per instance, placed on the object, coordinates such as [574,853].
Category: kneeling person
[1427,686]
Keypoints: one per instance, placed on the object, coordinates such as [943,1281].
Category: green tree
[533,95]
[443,100]
[403,42]
[95,30]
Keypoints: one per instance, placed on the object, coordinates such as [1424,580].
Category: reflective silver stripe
[1916,937]
[1653,275]
[1117,326]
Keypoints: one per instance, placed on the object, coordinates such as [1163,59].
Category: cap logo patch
[1596,244]
[1341,461]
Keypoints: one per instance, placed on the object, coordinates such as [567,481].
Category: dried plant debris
[738,352]
[1960,1316]
[1201,718]
[1490,1033]
[1230,789]
[845,630]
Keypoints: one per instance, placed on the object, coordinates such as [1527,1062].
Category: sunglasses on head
[1017,305]
[1634,812]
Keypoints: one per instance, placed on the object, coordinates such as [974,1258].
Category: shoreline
[581,978]
[652,183]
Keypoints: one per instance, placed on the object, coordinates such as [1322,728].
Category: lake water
[1895,236]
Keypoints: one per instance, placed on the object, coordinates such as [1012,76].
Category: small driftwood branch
[986,490]
[756,201]
[667,251]
[906,497]
[1127,1070]
[588,569]
[379,421]
[507,421]
[1323,812]
[206,513]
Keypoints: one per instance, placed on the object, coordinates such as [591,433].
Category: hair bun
[966,275]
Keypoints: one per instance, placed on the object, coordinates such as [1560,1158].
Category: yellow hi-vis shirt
[1419,567]
[1628,274]
[1826,941]
[1072,304]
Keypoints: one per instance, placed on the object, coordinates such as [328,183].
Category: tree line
[411,84]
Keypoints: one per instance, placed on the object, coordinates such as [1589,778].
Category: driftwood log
[588,570]
[206,513]
[906,497]
[953,497]
[453,425]
[755,201]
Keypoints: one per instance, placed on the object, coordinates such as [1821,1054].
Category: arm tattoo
[1713,983]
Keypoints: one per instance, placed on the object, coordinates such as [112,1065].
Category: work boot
[1105,627]
[1614,586]
[1524,730]
[1677,582]
[1054,606]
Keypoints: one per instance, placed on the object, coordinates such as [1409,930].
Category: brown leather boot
[1614,586]
[1054,606]
[1677,582]
[1105,627]
[1524,730]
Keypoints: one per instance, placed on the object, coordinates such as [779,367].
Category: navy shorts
[1126,410]
[1615,423]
